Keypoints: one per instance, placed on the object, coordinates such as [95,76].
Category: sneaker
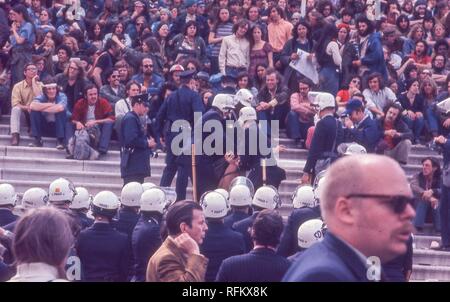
[36,143]
[60,144]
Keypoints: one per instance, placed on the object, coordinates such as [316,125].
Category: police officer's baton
[194,174]
[264,175]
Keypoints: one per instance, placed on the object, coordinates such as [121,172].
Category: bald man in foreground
[367,206]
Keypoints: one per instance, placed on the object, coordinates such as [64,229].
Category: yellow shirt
[279,34]
[22,94]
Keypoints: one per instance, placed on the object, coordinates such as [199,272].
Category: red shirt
[102,110]
[387,138]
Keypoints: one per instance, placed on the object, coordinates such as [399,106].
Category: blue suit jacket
[366,134]
[243,227]
[220,243]
[260,265]
[234,217]
[6,217]
[330,260]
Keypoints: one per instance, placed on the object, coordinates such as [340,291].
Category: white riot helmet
[34,198]
[61,189]
[303,197]
[214,205]
[240,196]
[131,194]
[245,97]
[223,192]
[171,195]
[318,188]
[310,232]
[224,102]
[266,197]
[354,149]
[82,200]
[105,203]
[242,180]
[8,195]
[247,114]
[148,185]
[324,100]
[153,200]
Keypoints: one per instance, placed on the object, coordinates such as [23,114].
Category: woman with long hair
[189,44]
[428,91]
[416,34]
[260,51]
[96,35]
[402,23]
[21,41]
[414,108]
[221,28]
[118,29]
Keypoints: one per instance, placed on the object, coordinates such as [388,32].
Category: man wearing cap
[359,127]
[49,115]
[135,146]
[191,15]
[179,106]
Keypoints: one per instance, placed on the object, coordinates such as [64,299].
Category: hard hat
[171,195]
[324,100]
[148,185]
[303,197]
[223,192]
[8,195]
[247,114]
[310,232]
[34,198]
[240,196]
[266,197]
[224,102]
[214,205]
[82,200]
[354,149]
[245,97]
[153,200]
[105,203]
[318,187]
[61,189]
[131,194]
[242,180]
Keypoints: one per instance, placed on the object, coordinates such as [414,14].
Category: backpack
[80,146]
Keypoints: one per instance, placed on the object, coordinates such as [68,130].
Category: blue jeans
[421,214]
[279,114]
[329,80]
[415,125]
[41,127]
[432,120]
[296,129]
[445,215]
[233,71]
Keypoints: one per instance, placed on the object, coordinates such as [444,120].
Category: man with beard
[369,223]
[371,58]
[151,82]
[105,62]
[114,90]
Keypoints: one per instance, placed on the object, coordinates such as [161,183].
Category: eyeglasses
[355,81]
[148,66]
[114,76]
[397,203]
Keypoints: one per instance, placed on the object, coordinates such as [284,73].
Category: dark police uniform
[180,105]
[243,227]
[219,244]
[136,166]
[289,239]
[146,239]
[104,253]
[82,219]
[234,217]
[6,216]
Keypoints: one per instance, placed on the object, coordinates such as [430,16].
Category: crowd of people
[341,77]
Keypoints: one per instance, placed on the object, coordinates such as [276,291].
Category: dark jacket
[374,58]
[108,93]
[234,217]
[132,137]
[78,90]
[6,217]
[401,127]
[417,106]
[338,263]
[104,253]
[418,184]
[243,227]
[260,265]
[219,244]
[366,134]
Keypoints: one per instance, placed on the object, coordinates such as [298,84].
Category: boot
[15,139]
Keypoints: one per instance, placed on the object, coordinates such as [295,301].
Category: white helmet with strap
[303,197]
[8,195]
[266,197]
[223,192]
[153,200]
[34,198]
[224,102]
[247,114]
[245,97]
[131,194]
[148,185]
[214,205]
[105,203]
[310,232]
[61,189]
[82,200]
[240,196]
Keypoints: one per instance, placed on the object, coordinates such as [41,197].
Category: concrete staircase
[26,167]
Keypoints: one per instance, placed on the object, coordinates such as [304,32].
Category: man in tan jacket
[179,259]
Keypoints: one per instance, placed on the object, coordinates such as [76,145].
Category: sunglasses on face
[397,203]
[148,66]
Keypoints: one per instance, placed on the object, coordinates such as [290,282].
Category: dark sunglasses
[397,203]
[147,66]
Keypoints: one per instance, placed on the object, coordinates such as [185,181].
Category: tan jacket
[170,264]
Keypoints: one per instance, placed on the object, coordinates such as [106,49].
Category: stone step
[425,241]
[416,159]
[430,273]
[431,257]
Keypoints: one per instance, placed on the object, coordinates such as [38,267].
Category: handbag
[329,157]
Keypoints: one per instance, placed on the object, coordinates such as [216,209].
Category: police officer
[240,201]
[306,207]
[309,232]
[220,242]
[80,206]
[129,208]
[8,199]
[228,85]
[103,251]
[146,238]
[180,105]
[135,146]
[266,197]
[61,193]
